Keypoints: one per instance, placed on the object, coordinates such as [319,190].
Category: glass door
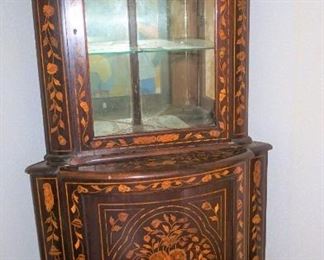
[152,64]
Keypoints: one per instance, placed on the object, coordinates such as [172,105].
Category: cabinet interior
[152,64]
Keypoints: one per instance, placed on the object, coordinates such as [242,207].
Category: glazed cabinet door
[144,72]
[151,64]
[195,216]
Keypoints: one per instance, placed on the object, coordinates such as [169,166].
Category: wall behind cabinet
[286,108]
[21,130]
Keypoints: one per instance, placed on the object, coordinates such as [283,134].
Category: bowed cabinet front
[151,209]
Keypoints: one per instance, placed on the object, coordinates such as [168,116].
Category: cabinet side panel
[47,18]
[258,182]
[38,217]
[48,217]
[241,46]
[224,39]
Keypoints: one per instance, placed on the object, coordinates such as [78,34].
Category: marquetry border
[84,111]
[74,190]
[54,83]
[223,64]
[180,137]
[240,212]
[241,43]
[257,210]
[50,218]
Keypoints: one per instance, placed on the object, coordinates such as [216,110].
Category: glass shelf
[154,45]
[113,47]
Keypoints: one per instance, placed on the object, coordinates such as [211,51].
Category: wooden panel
[51,61]
[241,41]
[48,217]
[149,228]
[188,216]
[114,211]
[258,182]
[79,76]
[224,43]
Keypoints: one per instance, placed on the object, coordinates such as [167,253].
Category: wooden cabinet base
[206,203]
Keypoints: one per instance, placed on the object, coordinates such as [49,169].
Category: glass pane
[109,64]
[152,64]
[171,91]
[107,26]
[111,93]
[175,25]
[176,64]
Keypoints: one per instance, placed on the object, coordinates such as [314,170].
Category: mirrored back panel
[152,64]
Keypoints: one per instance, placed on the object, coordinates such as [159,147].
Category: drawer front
[198,216]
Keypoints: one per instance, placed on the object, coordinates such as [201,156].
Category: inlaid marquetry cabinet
[147,148]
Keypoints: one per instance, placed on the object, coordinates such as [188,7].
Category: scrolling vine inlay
[223,61]
[51,224]
[54,79]
[49,213]
[256,221]
[241,72]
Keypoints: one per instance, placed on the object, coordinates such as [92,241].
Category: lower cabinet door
[185,216]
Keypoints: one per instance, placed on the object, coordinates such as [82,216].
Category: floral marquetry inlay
[240,231]
[50,218]
[169,237]
[257,214]
[51,224]
[223,64]
[53,76]
[241,69]
[159,139]
[213,211]
[168,234]
[85,109]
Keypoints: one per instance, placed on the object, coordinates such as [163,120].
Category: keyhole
[75,31]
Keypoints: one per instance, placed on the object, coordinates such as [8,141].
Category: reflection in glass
[151,64]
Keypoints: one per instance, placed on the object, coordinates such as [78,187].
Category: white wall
[286,109]
[21,131]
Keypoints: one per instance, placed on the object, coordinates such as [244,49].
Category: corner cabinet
[147,147]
